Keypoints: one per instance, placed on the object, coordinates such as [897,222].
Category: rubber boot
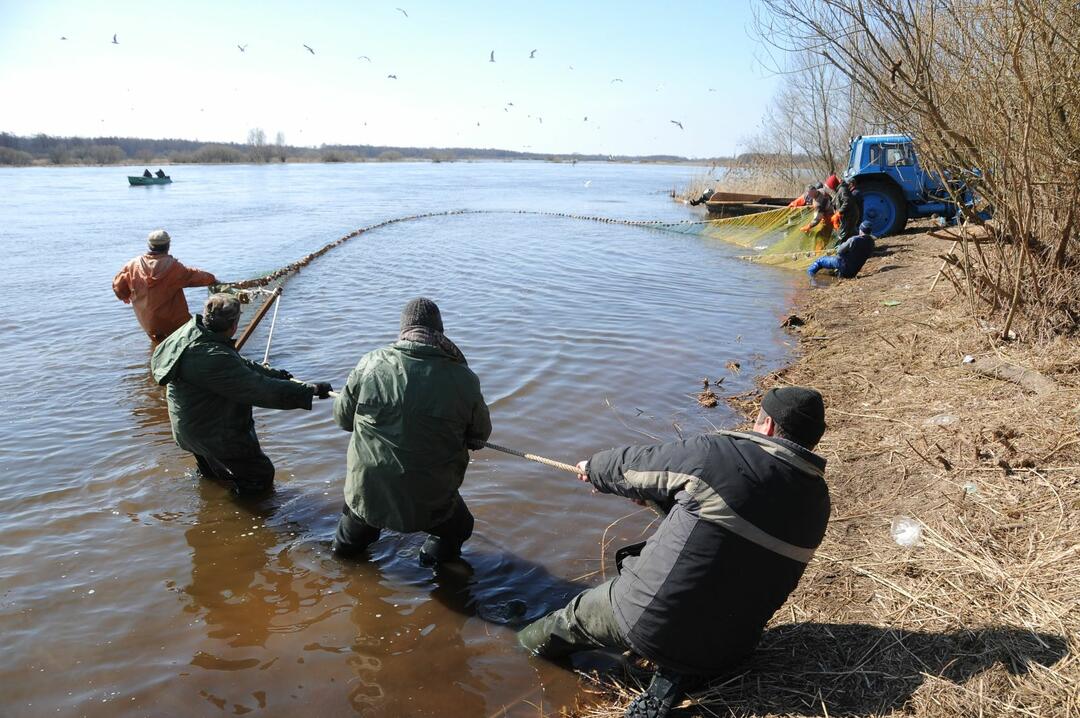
[665,690]
[436,550]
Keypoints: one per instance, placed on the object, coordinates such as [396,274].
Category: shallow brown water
[130,587]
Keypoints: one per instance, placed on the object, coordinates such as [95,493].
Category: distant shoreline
[163,162]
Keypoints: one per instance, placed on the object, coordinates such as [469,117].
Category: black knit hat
[799,411]
[421,312]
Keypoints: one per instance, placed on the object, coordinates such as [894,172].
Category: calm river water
[130,587]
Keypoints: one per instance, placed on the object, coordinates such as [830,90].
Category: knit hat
[866,227]
[220,311]
[159,239]
[799,411]
[421,312]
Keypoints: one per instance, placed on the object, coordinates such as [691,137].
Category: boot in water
[665,690]
[436,550]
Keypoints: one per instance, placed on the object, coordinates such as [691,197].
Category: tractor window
[898,156]
[876,153]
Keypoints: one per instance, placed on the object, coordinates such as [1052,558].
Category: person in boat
[848,203]
[153,284]
[415,409]
[160,174]
[210,391]
[744,513]
[146,173]
[850,256]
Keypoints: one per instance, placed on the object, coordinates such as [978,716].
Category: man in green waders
[211,390]
[414,409]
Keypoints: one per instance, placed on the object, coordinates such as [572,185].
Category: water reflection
[234,588]
[147,402]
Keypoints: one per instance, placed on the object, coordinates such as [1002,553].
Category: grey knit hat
[158,239]
[220,311]
[421,312]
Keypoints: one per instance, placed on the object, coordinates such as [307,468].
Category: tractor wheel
[884,207]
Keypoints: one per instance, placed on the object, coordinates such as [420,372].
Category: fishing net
[775,237]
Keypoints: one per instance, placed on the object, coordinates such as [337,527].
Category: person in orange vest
[153,284]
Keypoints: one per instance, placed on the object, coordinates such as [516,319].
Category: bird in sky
[309,49]
[676,122]
[541,120]
[617,79]
[364,57]
[588,182]
[114,40]
[586,118]
[63,38]
[242,48]
[509,104]
[492,56]
[532,55]
[391,77]
[402,11]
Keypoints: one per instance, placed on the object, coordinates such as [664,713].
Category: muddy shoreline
[979,616]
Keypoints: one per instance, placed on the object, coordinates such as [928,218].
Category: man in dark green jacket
[211,390]
[414,409]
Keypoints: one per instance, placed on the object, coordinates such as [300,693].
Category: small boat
[138,181]
[734,204]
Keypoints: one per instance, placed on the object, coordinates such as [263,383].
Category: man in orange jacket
[153,284]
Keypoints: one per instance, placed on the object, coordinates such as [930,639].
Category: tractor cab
[893,183]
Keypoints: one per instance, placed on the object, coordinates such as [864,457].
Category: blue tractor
[894,187]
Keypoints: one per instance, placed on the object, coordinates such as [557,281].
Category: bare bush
[15,158]
[991,93]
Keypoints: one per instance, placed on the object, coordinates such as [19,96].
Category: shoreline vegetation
[942,437]
[44,150]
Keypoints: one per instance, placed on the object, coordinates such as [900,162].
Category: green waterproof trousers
[586,623]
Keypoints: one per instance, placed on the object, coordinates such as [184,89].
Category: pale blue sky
[177,72]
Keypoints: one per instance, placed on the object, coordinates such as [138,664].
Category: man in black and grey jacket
[745,512]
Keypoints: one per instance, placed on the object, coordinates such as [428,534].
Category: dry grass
[982,617]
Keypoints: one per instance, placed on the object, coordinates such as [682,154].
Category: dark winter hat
[220,311]
[799,411]
[421,312]
[866,227]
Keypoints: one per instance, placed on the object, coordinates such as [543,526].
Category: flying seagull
[364,57]
[391,77]
[402,11]
[114,40]
[309,49]
[532,55]
[586,118]
[242,48]
[492,56]
[617,79]
[676,122]
[63,38]
[712,89]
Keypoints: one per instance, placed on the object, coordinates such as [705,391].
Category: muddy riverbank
[980,474]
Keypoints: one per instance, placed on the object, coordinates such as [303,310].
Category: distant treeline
[48,150]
